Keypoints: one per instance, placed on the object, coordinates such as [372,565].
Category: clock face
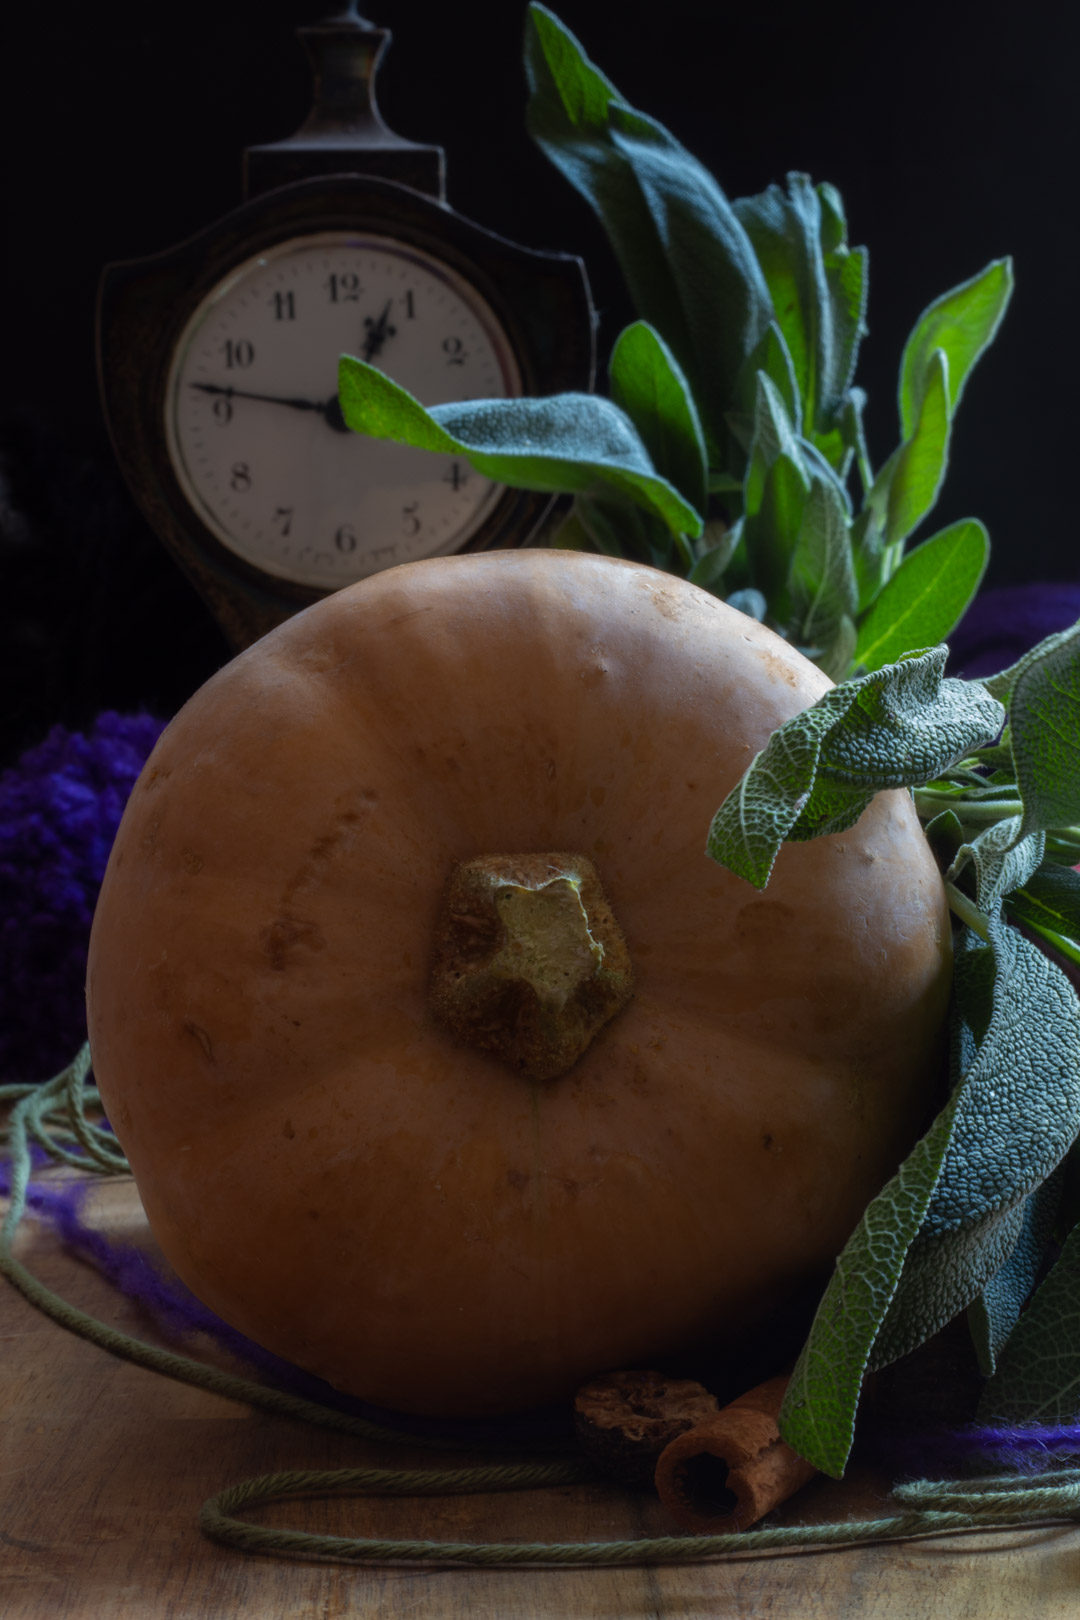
[254,429]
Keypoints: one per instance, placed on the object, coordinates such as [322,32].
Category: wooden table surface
[104,1467]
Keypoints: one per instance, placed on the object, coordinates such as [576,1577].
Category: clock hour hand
[377,331]
[330,409]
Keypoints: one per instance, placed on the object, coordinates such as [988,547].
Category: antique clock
[218,358]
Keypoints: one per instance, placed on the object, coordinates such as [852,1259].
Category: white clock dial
[253,425]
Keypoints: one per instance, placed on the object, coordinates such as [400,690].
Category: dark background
[949,130]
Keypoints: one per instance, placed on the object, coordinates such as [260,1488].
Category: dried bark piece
[731,1470]
[625,1419]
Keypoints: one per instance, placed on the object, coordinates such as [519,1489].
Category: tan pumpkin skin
[324,1166]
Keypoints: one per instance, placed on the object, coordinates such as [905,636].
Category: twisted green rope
[54,1114]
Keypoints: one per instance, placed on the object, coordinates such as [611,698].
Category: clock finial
[344,132]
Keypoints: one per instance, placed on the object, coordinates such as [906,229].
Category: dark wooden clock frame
[339,174]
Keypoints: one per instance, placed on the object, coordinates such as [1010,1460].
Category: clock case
[541,300]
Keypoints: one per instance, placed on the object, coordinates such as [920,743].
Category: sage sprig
[737,381]
[964,1223]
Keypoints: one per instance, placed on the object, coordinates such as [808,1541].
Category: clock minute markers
[328,409]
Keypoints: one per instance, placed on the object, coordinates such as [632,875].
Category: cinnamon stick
[728,1472]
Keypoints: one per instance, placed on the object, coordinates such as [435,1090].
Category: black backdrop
[948,128]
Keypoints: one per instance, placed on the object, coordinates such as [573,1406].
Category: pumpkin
[371,876]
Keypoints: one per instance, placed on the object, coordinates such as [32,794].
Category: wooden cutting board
[104,1467]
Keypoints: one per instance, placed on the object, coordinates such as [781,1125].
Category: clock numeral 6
[345,540]
[240,477]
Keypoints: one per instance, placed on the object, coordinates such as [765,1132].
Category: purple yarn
[166,1299]
[60,807]
[1001,625]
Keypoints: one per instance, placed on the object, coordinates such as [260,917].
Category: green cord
[54,1115]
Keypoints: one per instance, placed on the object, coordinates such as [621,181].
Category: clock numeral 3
[240,477]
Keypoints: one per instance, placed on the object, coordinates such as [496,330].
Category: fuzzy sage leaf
[895,727]
[569,443]
[1044,731]
[686,259]
[1038,1375]
[1017,1114]
[952,1218]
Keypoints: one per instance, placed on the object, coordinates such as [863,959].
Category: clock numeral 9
[222,409]
[454,351]
[238,352]
[240,477]
[345,540]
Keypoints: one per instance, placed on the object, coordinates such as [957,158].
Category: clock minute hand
[329,409]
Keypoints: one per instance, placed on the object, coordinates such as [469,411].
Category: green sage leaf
[1017,1114]
[961,323]
[565,443]
[1038,1374]
[687,262]
[1044,733]
[1048,904]
[817,287]
[900,726]
[770,357]
[927,596]
[818,1414]
[995,1311]
[647,383]
[1003,859]
[822,580]
[907,486]
[772,529]
[953,1216]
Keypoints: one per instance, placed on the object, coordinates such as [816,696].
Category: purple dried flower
[60,807]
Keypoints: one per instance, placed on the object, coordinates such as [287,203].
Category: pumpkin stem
[529,961]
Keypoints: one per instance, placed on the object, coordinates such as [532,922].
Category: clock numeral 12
[343,289]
